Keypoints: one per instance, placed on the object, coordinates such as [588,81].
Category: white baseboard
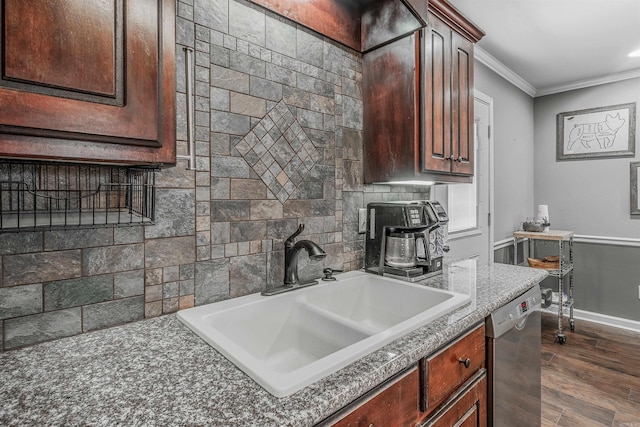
[604,319]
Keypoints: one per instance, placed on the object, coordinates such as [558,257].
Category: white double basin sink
[288,341]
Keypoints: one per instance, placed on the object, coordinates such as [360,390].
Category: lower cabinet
[466,408]
[447,388]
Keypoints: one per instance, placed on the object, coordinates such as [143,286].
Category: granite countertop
[157,372]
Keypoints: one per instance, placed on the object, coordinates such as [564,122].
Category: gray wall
[591,197]
[513,151]
[220,230]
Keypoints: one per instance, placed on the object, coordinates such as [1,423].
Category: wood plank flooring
[593,379]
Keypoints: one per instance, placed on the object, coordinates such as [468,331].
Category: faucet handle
[290,239]
[328,274]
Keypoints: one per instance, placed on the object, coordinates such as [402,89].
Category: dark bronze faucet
[291,252]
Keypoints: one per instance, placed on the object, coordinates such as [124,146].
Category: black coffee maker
[406,239]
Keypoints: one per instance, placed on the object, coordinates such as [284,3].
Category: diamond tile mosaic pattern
[279,151]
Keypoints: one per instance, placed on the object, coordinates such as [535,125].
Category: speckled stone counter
[157,372]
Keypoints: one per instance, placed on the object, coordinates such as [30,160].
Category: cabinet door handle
[466,362]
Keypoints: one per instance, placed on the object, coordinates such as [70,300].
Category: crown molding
[502,70]
[611,78]
[508,74]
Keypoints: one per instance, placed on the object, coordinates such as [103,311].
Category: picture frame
[635,184]
[596,133]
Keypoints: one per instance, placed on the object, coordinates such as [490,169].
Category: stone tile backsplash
[278,143]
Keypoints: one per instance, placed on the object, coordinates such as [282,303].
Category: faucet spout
[292,251]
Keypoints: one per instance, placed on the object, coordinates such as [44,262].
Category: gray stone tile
[246,231]
[128,284]
[225,78]
[77,292]
[23,242]
[219,99]
[266,209]
[185,34]
[219,56]
[169,251]
[266,89]
[323,207]
[247,22]
[281,229]
[27,330]
[352,201]
[297,208]
[234,124]
[310,190]
[247,274]
[248,189]
[280,36]
[213,14]
[246,64]
[229,167]
[248,105]
[352,144]
[175,214]
[111,259]
[275,268]
[279,74]
[127,235]
[310,119]
[352,113]
[41,267]
[310,48]
[102,315]
[296,97]
[211,281]
[20,301]
[313,85]
[170,290]
[220,233]
[230,210]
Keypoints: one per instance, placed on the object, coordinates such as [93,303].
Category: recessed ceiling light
[635,53]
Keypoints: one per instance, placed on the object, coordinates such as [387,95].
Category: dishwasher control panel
[507,316]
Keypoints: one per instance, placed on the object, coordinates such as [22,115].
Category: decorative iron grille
[34,195]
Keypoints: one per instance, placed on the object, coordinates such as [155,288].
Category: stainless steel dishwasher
[513,359]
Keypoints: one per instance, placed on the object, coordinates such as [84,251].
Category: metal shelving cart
[563,272]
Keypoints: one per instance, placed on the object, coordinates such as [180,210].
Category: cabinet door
[391,127]
[88,80]
[469,409]
[437,97]
[395,405]
[462,105]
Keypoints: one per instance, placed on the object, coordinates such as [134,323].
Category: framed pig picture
[597,133]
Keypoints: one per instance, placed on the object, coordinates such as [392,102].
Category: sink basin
[288,341]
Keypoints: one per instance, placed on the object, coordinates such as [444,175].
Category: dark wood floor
[593,379]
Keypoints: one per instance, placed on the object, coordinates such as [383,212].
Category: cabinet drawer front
[446,370]
[395,405]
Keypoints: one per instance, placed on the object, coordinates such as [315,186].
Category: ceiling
[557,45]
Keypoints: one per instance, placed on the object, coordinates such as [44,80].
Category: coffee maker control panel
[415,217]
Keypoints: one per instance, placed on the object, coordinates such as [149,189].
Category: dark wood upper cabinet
[418,102]
[87,80]
[361,25]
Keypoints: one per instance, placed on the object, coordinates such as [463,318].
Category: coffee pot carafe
[404,249]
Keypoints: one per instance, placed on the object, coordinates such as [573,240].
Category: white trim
[483,97]
[604,319]
[605,240]
[610,78]
[502,244]
[503,71]
[464,233]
